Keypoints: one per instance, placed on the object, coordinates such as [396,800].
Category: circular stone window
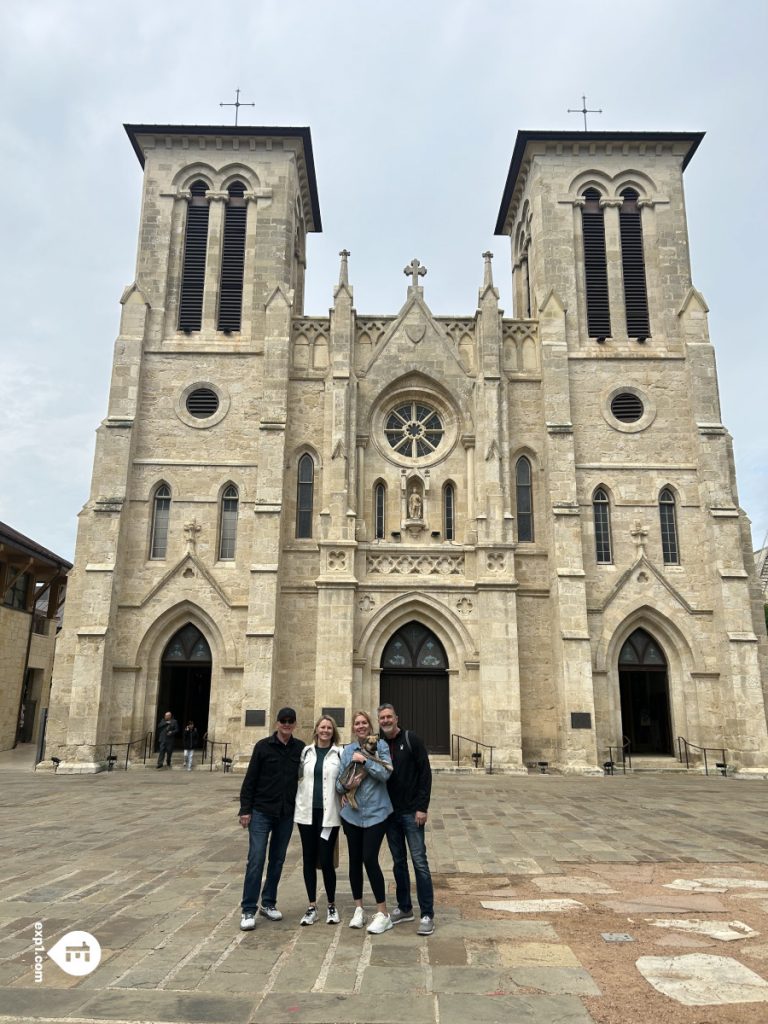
[202,403]
[627,407]
[414,430]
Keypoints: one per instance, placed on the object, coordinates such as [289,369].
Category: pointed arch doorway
[185,680]
[644,687]
[414,678]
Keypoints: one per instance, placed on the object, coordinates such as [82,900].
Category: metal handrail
[683,745]
[213,744]
[626,754]
[111,757]
[475,755]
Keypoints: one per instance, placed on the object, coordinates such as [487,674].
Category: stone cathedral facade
[521,529]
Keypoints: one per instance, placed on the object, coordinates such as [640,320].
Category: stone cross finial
[191,530]
[344,268]
[487,270]
[414,270]
[638,534]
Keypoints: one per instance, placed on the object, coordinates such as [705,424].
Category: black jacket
[190,739]
[166,730]
[410,785]
[272,778]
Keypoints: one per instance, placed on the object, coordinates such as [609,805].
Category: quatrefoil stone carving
[337,560]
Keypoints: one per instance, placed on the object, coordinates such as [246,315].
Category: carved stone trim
[415,565]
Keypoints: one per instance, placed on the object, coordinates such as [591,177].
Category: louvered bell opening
[595,268]
[233,261]
[633,265]
[627,407]
[193,271]
[202,403]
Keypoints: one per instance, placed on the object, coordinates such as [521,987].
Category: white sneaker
[247,921]
[310,916]
[380,923]
[333,914]
[358,918]
[272,913]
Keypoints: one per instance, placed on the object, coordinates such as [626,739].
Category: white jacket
[331,799]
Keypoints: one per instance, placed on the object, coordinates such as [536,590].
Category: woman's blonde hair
[366,716]
[336,738]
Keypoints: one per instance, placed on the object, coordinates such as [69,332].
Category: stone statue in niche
[415,505]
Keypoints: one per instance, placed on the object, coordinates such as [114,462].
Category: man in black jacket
[267,799]
[167,728]
[410,787]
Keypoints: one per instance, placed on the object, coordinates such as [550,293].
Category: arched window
[193,268]
[595,266]
[602,513]
[306,484]
[668,521]
[232,260]
[633,267]
[379,511]
[161,514]
[449,512]
[228,523]
[524,498]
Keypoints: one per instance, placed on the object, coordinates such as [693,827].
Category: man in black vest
[410,787]
[267,799]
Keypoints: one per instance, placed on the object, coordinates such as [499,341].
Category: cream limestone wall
[14,631]
[532,631]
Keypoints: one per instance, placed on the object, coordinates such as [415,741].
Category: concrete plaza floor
[151,864]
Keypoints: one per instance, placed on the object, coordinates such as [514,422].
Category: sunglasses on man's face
[287,721]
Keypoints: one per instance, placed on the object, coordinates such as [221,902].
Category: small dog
[354,773]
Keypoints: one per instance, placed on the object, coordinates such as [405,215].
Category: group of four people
[288,781]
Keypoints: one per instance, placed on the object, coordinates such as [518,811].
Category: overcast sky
[413,109]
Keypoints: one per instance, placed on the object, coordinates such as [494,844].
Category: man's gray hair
[385,707]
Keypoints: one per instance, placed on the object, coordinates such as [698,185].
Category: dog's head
[369,746]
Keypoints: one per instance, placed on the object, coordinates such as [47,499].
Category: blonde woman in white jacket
[317,814]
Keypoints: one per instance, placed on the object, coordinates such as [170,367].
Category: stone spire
[344,268]
[488,277]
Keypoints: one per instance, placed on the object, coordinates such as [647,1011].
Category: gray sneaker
[271,912]
[426,926]
[400,916]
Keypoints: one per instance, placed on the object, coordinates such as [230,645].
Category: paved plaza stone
[151,864]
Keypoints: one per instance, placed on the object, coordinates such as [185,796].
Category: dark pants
[364,845]
[401,830]
[165,751]
[318,851]
[277,831]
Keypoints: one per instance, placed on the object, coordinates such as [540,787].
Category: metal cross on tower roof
[237,104]
[583,110]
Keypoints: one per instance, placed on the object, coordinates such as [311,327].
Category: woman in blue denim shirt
[366,826]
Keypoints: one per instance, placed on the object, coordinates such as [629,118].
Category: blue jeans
[261,828]
[402,829]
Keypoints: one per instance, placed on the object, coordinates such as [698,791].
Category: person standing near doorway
[410,788]
[267,799]
[317,815]
[190,742]
[167,728]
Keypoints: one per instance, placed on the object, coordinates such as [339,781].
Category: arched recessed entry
[185,680]
[414,677]
[644,685]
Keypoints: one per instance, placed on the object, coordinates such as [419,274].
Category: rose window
[414,429]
